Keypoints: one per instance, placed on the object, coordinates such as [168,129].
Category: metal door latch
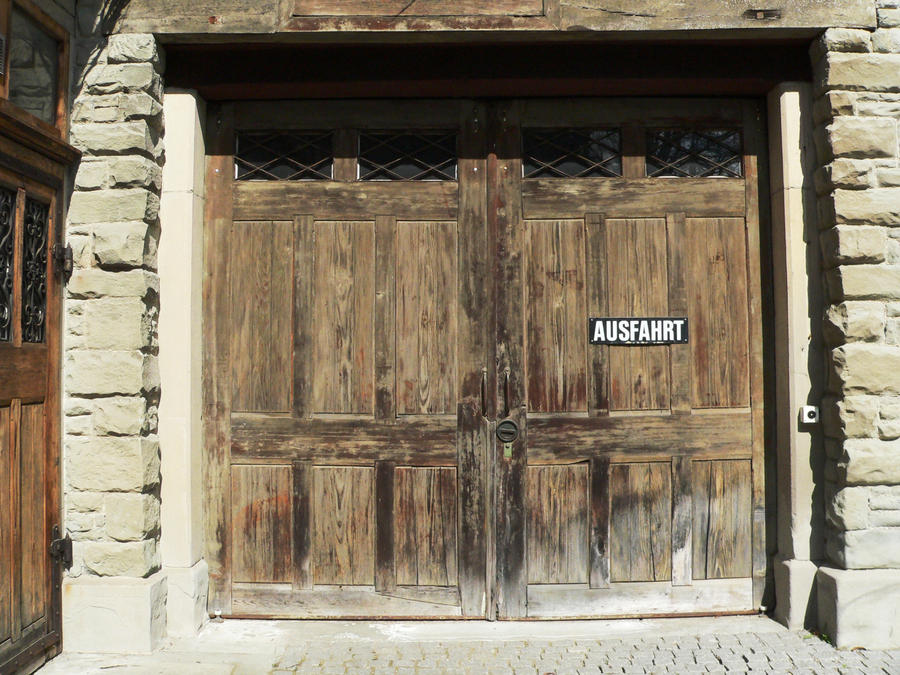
[61,548]
[62,259]
[507,433]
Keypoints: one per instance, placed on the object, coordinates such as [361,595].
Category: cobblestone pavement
[682,646]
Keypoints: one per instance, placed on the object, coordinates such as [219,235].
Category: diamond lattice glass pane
[571,153]
[284,156]
[407,156]
[694,153]
[34,271]
[7,211]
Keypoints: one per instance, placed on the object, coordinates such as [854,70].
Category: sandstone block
[868,207]
[846,40]
[850,417]
[871,72]
[117,324]
[861,137]
[120,559]
[121,415]
[870,462]
[854,321]
[866,368]
[107,372]
[131,517]
[878,105]
[96,283]
[129,243]
[85,502]
[892,332]
[111,138]
[861,282]
[79,426]
[855,608]
[849,174]
[124,77]
[888,177]
[885,497]
[118,172]
[77,406]
[848,509]
[112,463]
[884,519]
[108,206]
[886,40]
[875,548]
[852,244]
[888,18]
[833,104]
[140,106]
[131,48]
[889,421]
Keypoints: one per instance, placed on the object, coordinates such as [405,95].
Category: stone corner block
[852,71]
[109,373]
[112,463]
[96,283]
[135,559]
[795,593]
[111,206]
[186,603]
[114,615]
[129,243]
[132,48]
[864,282]
[858,608]
[852,244]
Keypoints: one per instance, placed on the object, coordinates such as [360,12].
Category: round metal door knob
[507,431]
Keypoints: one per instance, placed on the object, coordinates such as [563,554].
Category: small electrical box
[809,414]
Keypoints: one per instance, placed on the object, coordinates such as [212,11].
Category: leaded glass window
[571,153]
[284,155]
[695,153]
[407,156]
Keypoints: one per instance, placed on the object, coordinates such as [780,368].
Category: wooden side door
[29,422]
[635,484]
[345,291]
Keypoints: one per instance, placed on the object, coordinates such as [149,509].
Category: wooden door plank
[757,206]
[394,8]
[346,150]
[303,325]
[35,556]
[640,522]
[216,384]
[596,270]
[557,526]
[344,525]
[504,220]
[599,536]
[679,355]
[261,516]
[302,520]
[385,556]
[7,565]
[18,253]
[15,444]
[473,442]
[682,521]
[385,319]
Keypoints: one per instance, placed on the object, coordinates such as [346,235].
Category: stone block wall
[857,113]
[111,376]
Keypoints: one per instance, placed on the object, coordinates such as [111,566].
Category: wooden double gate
[389,284]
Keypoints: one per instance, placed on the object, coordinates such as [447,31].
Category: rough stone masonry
[857,115]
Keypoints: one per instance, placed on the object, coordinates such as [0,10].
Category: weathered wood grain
[679,355]
[640,522]
[557,505]
[721,514]
[391,8]
[35,558]
[422,200]
[597,293]
[639,599]
[385,549]
[426,317]
[682,520]
[261,498]
[24,373]
[216,375]
[277,601]
[385,319]
[425,533]
[555,315]
[303,328]
[261,279]
[546,198]
[302,501]
[344,526]
[6,527]
[343,303]
[473,443]
[639,376]
[599,533]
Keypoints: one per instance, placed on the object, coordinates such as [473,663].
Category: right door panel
[642,492]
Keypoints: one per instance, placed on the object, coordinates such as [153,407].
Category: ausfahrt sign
[633,331]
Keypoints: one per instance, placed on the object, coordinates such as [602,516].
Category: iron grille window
[34,271]
[694,153]
[7,229]
[571,153]
[407,156]
[284,155]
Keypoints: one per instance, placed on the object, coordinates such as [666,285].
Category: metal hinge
[61,548]
[62,259]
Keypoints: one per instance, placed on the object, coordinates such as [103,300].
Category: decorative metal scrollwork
[34,271]
[7,230]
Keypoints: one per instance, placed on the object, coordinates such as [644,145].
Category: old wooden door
[403,414]
[635,485]
[29,421]
[345,292]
